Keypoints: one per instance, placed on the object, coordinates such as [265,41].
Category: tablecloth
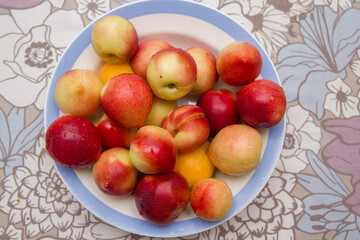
[314,191]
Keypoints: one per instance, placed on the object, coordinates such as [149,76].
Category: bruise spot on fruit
[160,76]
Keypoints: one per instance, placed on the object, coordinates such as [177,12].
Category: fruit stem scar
[80,90]
[171,85]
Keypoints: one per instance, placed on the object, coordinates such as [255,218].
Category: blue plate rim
[190,226]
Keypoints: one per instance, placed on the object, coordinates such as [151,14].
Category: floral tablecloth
[314,192]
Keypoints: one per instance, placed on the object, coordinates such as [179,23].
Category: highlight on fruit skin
[73,141]
[112,134]
[220,109]
[162,198]
[261,104]
[114,173]
[127,100]
[153,150]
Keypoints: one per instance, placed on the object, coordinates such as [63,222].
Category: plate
[183,24]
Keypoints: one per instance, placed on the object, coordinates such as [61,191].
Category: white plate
[183,24]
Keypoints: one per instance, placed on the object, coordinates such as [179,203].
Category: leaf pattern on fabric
[326,208]
[16,138]
[329,45]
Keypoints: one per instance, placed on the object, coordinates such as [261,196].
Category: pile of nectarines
[130,130]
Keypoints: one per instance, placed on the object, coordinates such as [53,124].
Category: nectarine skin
[153,150]
[73,141]
[236,149]
[114,39]
[161,198]
[114,135]
[127,100]
[220,109]
[211,199]
[171,73]
[207,76]
[77,92]
[239,63]
[189,126]
[114,174]
[159,110]
[261,104]
[143,54]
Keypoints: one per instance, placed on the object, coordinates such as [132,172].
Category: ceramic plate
[183,24]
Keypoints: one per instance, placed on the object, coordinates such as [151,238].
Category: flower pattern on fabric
[268,25]
[301,134]
[32,51]
[32,67]
[39,55]
[271,215]
[339,101]
[16,138]
[355,65]
[273,211]
[329,45]
[11,232]
[266,22]
[334,4]
[326,208]
[293,8]
[36,196]
[93,8]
